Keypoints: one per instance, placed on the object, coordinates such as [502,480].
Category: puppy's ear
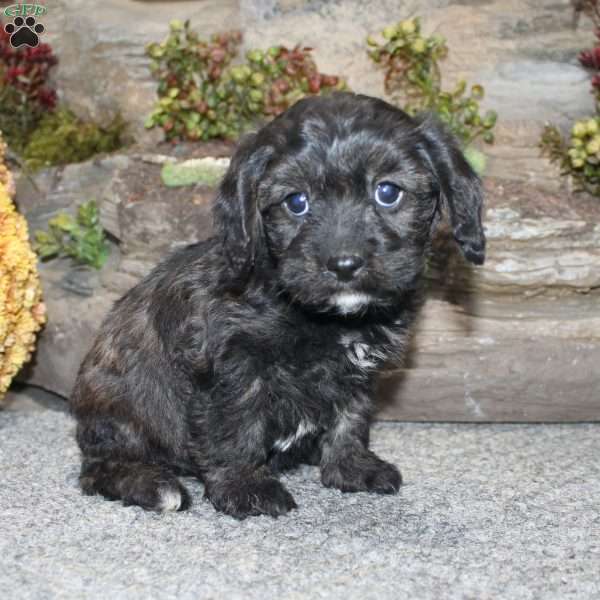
[236,216]
[460,188]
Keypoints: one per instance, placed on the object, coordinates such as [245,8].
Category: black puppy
[257,349]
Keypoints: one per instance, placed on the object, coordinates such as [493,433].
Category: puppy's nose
[345,267]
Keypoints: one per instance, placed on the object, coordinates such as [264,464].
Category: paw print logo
[24,32]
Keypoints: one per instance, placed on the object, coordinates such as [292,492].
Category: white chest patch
[286,443]
[361,354]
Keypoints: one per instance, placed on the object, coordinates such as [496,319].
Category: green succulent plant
[579,154]
[202,95]
[81,238]
[413,79]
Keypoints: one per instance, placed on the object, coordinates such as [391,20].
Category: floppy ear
[460,189]
[236,216]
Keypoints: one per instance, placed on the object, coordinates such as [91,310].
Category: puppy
[257,350]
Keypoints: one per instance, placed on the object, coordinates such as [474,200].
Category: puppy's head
[341,195]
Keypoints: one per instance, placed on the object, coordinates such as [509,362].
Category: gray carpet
[486,512]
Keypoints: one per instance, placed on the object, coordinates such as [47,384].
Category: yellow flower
[419,45]
[408,26]
[579,129]
[592,126]
[592,147]
[390,32]
[22,312]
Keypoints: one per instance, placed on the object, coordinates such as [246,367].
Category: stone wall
[522,51]
[517,340]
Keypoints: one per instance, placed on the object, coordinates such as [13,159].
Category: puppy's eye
[297,204]
[388,194]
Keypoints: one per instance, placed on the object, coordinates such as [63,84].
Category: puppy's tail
[152,487]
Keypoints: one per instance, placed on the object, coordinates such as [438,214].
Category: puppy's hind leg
[153,487]
[119,464]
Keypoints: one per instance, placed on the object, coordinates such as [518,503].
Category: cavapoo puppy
[257,349]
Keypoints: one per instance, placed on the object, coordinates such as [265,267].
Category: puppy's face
[342,193]
[347,212]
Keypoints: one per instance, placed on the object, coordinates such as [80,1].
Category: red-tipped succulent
[25,95]
[203,95]
[590,59]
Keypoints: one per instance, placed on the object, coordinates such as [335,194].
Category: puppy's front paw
[362,473]
[250,497]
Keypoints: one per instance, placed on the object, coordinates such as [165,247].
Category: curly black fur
[245,354]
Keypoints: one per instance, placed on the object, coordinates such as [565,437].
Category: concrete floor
[487,511]
[26,398]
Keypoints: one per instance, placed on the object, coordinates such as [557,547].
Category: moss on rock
[203,171]
[63,138]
